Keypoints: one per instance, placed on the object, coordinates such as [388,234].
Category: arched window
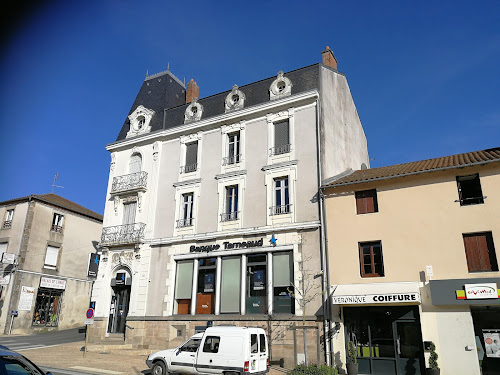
[135,164]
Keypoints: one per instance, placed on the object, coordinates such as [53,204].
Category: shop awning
[374,293]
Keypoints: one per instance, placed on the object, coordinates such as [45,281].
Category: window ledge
[46,266]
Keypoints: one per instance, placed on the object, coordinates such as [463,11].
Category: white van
[218,350]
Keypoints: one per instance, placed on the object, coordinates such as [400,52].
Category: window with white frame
[51,257]
[186,219]
[191,164]
[281,203]
[281,138]
[9,215]
[233,149]
[57,223]
[231,204]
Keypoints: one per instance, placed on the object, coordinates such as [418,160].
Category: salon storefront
[382,320]
[479,300]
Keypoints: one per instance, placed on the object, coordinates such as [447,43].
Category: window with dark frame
[480,252]
[191,158]
[469,190]
[370,259]
[57,222]
[47,305]
[9,215]
[281,138]
[186,219]
[366,201]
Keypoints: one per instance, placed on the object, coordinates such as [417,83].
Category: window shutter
[476,252]
[191,153]
[129,213]
[281,134]
[135,164]
[51,256]
[184,280]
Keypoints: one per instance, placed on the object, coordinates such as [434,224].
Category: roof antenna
[168,66]
[147,71]
[56,177]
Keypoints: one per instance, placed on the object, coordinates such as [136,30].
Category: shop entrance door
[408,347]
[119,309]
[387,339]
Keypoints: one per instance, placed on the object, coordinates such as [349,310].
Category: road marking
[96,370]
[36,347]
[60,371]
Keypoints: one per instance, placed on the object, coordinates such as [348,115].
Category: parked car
[12,363]
[218,350]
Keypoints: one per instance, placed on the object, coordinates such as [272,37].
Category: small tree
[306,291]
[433,358]
[351,353]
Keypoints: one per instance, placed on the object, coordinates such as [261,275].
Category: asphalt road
[41,340]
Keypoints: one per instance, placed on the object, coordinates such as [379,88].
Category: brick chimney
[192,91]
[329,58]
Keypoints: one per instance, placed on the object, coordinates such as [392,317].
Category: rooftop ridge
[148,77]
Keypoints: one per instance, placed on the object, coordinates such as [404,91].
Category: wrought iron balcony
[56,228]
[280,210]
[280,150]
[123,234]
[231,216]
[7,224]
[185,222]
[189,168]
[229,160]
[128,182]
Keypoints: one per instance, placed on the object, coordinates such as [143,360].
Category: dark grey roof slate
[157,92]
[167,97]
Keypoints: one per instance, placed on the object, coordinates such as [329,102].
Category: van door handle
[210,361]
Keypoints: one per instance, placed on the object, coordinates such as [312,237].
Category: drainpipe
[324,258]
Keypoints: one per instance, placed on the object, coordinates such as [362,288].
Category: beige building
[413,257]
[45,245]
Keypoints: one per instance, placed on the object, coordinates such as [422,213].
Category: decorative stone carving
[155,151]
[116,201]
[193,112]
[139,200]
[123,258]
[113,162]
[140,121]
[235,99]
[129,199]
[280,87]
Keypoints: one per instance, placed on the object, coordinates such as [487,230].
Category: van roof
[230,328]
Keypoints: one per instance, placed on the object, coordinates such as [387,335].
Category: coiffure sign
[227,246]
[376,298]
[480,291]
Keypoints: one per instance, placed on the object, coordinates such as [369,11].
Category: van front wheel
[159,368]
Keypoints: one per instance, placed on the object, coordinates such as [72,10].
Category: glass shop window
[256,288]
[282,283]
[47,307]
[205,296]
[184,286]
[230,285]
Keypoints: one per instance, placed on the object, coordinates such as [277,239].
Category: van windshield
[191,346]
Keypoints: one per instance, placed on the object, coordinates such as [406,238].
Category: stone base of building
[154,334]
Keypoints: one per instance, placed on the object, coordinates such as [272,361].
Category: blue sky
[424,75]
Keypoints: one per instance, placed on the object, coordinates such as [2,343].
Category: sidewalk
[110,362]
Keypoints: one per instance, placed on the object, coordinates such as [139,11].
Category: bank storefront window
[244,283]
[47,307]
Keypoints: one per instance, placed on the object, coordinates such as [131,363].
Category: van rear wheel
[159,368]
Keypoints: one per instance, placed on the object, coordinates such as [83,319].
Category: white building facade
[212,214]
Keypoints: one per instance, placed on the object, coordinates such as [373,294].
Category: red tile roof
[58,201]
[423,166]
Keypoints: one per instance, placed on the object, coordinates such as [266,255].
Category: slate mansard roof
[430,165]
[57,201]
[165,94]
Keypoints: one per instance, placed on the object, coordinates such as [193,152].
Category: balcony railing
[280,150]
[189,168]
[231,216]
[229,160]
[129,182]
[123,234]
[185,223]
[7,224]
[56,228]
[280,210]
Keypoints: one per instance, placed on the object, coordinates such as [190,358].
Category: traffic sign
[90,314]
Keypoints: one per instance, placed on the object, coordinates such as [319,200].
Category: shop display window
[283,302]
[47,305]
[256,288]
[183,286]
[205,296]
[230,285]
